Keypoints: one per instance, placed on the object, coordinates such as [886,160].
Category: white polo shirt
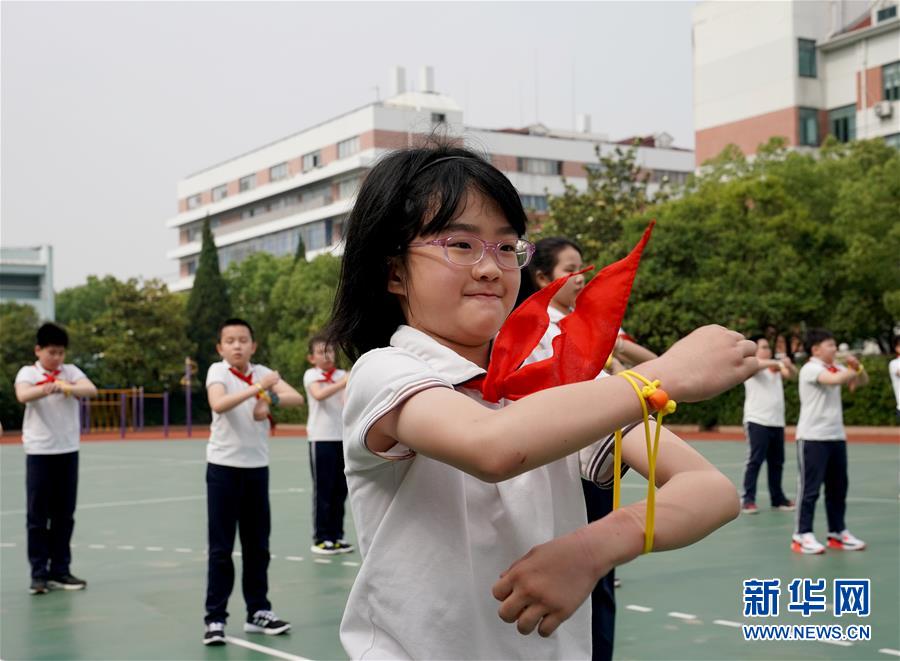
[51,424]
[821,411]
[324,422]
[894,368]
[764,399]
[235,438]
[435,539]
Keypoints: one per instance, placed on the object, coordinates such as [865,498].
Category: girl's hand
[270,380]
[544,587]
[707,362]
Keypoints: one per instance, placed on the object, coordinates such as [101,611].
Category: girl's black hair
[412,191]
[546,256]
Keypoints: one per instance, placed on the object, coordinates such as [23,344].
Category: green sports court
[140,538]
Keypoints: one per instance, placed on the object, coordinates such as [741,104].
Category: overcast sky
[105,106]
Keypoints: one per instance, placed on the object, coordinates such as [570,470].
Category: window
[890,76]
[809,127]
[192,266]
[892,140]
[539,166]
[219,192]
[534,202]
[277,172]
[807,57]
[193,201]
[438,118]
[348,147]
[347,188]
[886,13]
[842,123]
[247,183]
[312,161]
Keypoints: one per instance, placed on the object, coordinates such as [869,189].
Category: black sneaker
[343,547]
[215,634]
[38,586]
[67,582]
[265,622]
[325,548]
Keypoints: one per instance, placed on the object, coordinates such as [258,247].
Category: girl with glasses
[448,489]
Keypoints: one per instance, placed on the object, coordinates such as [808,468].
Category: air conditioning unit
[884,109]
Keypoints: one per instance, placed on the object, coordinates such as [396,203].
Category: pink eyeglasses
[468,250]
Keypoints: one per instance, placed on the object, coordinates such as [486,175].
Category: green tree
[208,305]
[18,326]
[300,254]
[84,302]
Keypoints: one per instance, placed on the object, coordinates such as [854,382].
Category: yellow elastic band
[652,449]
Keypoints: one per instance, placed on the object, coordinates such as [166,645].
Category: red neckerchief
[49,377]
[832,368]
[326,376]
[587,335]
[248,379]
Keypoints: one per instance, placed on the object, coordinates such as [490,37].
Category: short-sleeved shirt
[894,368]
[324,422]
[764,399]
[51,424]
[235,438]
[434,539]
[821,411]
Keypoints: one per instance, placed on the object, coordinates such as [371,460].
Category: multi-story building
[798,69]
[304,185]
[26,276]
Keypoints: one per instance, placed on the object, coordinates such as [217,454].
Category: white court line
[96,546]
[183,550]
[639,609]
[294,558]
[728,623]
[350,563]
[7,545]
[240,642]
[237,554]
[125,547]
[839,643]
[682,616]
[153,548]
[322,561]
[146,501]
[889,651]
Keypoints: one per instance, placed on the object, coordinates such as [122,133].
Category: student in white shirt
[448,490]
[822,444]
[894,370]
[51,435]
[764,426]
[237,479]
[324,384]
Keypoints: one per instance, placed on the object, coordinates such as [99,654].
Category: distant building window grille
[535,202]
[809,127]
[892,140]
[192,267]
[886,13]
[219,192]
[890,75]
[438,118]
[312,161]
[277,172]
[20,287]
[842,123]
[348,147]
[807,54]
[539,166]
[193,201]
[347,188]
[247,183]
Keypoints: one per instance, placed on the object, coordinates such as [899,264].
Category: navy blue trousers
[326,460]
[603,598]
[822,462]
[237,500]
[766,444]
[51,487]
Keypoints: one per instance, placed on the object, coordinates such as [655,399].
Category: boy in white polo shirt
[894,369]
[324,385]
[237,479]
[764,425]
[51,435]
[822,444]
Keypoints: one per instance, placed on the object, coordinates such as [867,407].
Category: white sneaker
[845,541]
[806,544]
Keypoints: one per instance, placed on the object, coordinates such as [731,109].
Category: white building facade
[798,69]
[26,276]
[305,185]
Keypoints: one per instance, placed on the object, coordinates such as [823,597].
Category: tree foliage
[18,326]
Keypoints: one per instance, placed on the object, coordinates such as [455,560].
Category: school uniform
[237,487]
[50,436]
[894,369]
[435,539]
[821,448]
[764,427]
[324,429]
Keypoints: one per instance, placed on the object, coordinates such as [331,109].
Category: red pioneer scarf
[248,379]
[49,377]
[587,335]
[326,376]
